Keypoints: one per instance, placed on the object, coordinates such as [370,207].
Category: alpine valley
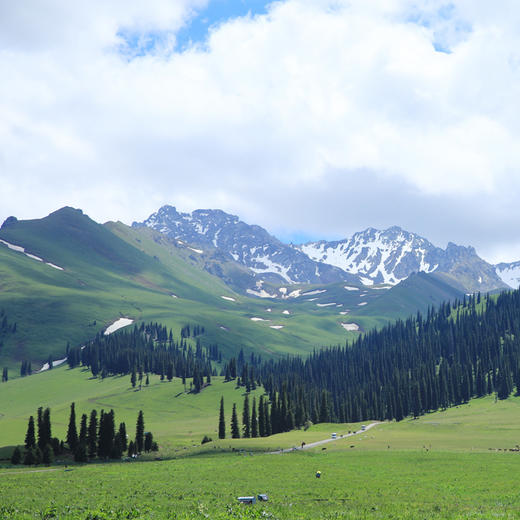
[65,278]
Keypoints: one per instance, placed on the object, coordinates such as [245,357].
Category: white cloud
[310,98]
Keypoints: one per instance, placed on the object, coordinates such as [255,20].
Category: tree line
[149,348]
[97,439]
[467,349]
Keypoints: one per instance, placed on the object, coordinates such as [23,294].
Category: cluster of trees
[146,349]
[468,349]
[189,331]
[256,422]
[97,438]
[239,365]
[25,368]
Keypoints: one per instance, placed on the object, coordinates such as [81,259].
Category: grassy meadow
[456,463]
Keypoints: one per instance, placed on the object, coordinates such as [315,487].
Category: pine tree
[131,449]
[40,426]
[92,434]
[45,436]
[133,377]
[72,433]
[30,440]
[148,441]
[221,421]
[261,417]
[139,432]
[254,422]
[235,431]
[123,436]
[83,431]
[246,419]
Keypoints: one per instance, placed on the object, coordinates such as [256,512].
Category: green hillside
[112,270]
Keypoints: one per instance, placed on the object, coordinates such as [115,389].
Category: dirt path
[324,441]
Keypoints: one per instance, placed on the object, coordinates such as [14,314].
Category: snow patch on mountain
[118,324]
[20,249]
[509,273]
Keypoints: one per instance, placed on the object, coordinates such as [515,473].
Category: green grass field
[456,463]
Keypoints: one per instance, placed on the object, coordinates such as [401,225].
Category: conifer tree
[72,433]
[235,431]
[246,419]
[83,431]
[148,441]
[254,422]
[261,417]
[123,436]
[92,435]
[139,433]
[46,436]
[30,440]
[221,421]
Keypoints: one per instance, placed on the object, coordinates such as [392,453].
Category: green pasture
[457,463]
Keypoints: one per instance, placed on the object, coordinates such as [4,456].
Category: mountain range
[65,278]
[368,257]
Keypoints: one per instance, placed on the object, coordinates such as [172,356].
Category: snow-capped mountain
[378,256]
[509,273]
[368,257]
[391,255]
[251,246]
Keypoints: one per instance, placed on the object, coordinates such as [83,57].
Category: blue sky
[215,13]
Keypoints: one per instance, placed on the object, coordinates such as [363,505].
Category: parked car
[334,436]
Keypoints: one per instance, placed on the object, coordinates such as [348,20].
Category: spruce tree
[123,436]
[254,422]
[46,436]
[148,441]
[83,430]
[221,421]
[72,433]
[235,430]
[139,432]
[246,419]
[40,426]
[92,434]
[261,417]
[30,440]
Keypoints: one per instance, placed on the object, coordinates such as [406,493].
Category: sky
[312,118]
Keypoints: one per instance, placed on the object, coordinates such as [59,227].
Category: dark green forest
[462,350]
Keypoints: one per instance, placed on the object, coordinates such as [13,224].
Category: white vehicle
[363,428]
[334,436]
